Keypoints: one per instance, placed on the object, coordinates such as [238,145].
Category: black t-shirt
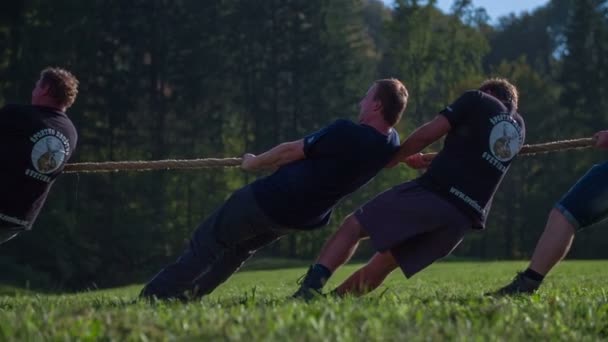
[36,144]
[340,158]
[484,138]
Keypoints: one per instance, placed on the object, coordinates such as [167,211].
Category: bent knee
[351,224]
[562,220]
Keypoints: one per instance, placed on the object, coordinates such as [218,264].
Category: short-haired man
[37,140]
[418,222]
[585,204]
[313,175]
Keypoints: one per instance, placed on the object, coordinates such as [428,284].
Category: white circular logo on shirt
[505,141]
[48,154]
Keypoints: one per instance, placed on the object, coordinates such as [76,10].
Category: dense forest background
[217,78]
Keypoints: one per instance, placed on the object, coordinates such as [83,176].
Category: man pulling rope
[37,142]
[312,175]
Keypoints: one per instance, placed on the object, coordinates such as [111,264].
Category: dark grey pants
[218,247]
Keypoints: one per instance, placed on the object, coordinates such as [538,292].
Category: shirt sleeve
[457,112]
[328,141]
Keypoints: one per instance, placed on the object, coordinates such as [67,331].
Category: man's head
[56,88]
[501,89]
[386,98]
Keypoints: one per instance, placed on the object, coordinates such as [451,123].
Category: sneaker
[307,294]
[519,285]
[309,286]
[150,295]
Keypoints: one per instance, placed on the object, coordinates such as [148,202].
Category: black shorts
[417,226]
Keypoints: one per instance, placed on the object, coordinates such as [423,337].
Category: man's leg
[342,244]
[412,255]
[178,278]
[551,248]
[238,220]
[336,252]
[391,219]
[368,277]
[231,261]
[554,244]
[583,205]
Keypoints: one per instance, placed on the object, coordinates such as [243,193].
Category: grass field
[445,302]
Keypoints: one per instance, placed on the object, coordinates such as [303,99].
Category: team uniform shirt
[484,138]
[340,159]
[36,144]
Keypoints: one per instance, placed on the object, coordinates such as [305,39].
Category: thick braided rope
[553,146]
[175,164]
[562,145]
[168,164]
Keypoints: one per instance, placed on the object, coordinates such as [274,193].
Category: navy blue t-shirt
[36,144]
[484,138]
[340,159]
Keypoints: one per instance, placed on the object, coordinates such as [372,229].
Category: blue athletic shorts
[586,202]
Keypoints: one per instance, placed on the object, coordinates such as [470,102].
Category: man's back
[37,142]
[477,152]
[339,160]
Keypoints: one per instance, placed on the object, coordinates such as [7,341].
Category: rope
[168,164]
[554,146]
[191,164]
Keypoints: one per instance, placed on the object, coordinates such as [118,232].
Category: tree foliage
[186,79]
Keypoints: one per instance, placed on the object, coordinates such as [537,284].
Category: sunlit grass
[444,302]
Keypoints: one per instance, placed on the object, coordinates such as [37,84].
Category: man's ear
[378,105]
[45,89]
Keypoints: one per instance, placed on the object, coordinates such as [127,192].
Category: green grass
[444,302]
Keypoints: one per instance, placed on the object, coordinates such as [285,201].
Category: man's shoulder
[343,127]
[479,101]
[344,123]
[474,92]
[14,107]
[22,110]
[14,115]
[476,96]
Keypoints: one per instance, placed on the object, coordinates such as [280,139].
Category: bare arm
[422,137]
[276,157]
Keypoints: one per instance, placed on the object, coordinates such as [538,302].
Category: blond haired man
[312,175]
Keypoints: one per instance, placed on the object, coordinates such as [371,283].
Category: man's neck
[378,124]
[49,104]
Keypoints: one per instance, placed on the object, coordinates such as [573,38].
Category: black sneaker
[307,294]
[519,285]
[309,286]
[151,296]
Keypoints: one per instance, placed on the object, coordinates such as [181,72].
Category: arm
[276,157]
[422,137]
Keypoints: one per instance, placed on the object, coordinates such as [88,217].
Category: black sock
[318,276]
[531,274]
